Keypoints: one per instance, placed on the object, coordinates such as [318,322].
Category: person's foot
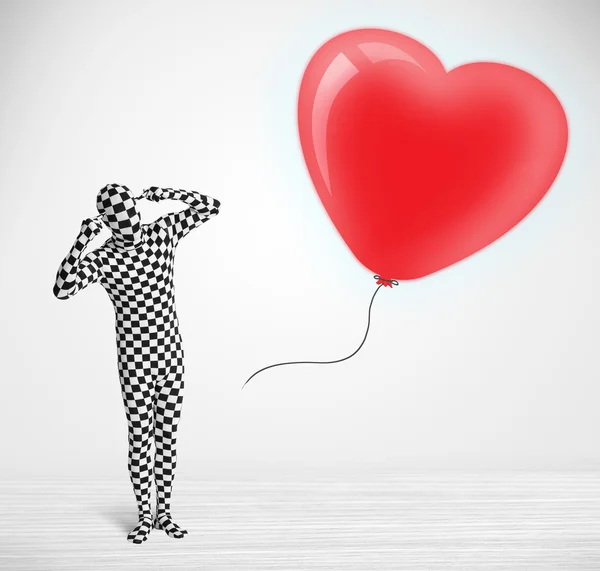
[141,531]
[163,521]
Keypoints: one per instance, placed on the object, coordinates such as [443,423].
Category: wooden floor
[483,522]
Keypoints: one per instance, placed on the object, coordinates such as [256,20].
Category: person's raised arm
[201,208]
[75,273]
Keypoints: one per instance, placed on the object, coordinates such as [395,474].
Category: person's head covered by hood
[116,206]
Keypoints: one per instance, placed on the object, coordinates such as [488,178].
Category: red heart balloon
[417,167]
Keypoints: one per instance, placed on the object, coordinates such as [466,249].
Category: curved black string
[337,360]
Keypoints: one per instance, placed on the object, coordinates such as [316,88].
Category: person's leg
[167,412]
[137,397]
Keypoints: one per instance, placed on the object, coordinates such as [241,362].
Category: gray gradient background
[490,364]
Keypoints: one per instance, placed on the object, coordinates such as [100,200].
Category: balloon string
[380,280]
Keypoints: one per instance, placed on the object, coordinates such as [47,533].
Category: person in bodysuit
[135,267]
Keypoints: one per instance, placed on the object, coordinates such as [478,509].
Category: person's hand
[91,227]
[155,194]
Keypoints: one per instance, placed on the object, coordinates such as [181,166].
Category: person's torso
[139,282]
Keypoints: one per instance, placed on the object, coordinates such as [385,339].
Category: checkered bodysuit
[135,267]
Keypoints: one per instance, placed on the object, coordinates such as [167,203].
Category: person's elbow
[62,294]
[215,208]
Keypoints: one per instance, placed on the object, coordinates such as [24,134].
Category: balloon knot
[385,282]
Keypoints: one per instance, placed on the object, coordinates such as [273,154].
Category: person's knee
[140,435]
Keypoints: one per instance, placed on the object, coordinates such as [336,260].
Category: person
[135,267]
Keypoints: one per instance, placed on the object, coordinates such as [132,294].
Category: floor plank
[508,521]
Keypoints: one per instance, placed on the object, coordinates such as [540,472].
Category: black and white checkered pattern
[135,267]
[116,206]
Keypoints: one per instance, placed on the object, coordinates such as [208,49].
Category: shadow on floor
[122,517]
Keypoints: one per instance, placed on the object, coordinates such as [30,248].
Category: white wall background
[490,364]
